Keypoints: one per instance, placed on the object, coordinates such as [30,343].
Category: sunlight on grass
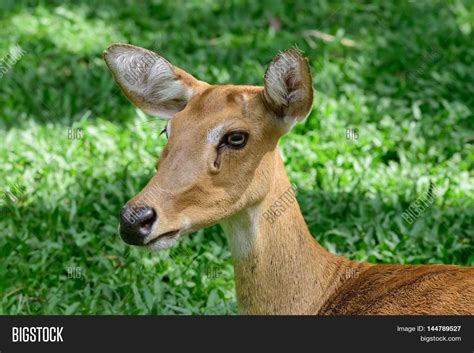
[68,30]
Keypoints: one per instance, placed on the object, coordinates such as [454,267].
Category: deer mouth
[164,237]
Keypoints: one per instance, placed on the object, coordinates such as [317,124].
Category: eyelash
[164,131]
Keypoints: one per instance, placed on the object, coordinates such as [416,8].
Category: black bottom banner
[223,333]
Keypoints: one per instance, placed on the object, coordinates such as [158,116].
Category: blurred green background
[401,72]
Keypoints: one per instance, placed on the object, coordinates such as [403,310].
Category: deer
[222,165]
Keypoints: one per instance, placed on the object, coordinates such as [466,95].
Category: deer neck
[279,267]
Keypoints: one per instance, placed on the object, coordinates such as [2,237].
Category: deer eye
[236,139]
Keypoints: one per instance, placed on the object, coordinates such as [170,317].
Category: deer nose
[136,223]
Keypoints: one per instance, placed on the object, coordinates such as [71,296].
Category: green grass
[407,86]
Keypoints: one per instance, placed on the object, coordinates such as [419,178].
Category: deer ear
[288,91]
[150,81]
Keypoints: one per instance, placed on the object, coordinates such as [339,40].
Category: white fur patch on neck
[215,134]
[241,231]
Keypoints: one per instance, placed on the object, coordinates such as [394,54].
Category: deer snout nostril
[136,223]
[146,220]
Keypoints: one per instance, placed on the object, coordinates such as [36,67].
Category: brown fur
[279,267]
[406,290]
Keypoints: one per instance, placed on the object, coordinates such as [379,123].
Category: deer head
[222,141]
